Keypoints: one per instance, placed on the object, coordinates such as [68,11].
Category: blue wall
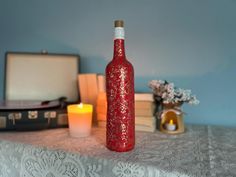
[189,42]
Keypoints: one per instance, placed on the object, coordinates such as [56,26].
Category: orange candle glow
[171,122]
[80,119]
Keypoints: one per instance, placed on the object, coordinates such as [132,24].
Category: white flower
[194,101]
[167,93]
[164,96]
[170,87]
[161,82]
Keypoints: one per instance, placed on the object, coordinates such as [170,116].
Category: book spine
[101,83]
[144,97]
[146,121]
[145,128]
[144,105]
[88,88]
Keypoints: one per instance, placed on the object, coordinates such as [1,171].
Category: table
[201,151]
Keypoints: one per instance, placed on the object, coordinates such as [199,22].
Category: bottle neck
[119,43]
[119,48]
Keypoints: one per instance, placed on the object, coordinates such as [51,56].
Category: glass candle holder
[80,119]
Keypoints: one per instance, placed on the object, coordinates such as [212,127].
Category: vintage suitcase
[37,89]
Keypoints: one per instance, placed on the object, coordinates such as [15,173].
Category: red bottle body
[120,135]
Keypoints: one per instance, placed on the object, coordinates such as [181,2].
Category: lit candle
[80,119]
[170,126]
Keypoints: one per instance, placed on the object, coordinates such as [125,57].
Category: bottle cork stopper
[119,23]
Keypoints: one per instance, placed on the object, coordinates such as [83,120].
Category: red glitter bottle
[120,135]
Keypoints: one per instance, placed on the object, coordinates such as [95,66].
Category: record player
[38,87]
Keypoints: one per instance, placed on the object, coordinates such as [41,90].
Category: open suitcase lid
[35,76]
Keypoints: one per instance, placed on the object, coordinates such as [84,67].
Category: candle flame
[80,105]
[171,122]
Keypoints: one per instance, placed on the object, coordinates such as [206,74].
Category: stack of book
[101,109]
[145,106]
[90,85]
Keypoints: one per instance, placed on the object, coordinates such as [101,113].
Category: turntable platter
[27,104]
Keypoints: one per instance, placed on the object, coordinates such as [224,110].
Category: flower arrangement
[167,93]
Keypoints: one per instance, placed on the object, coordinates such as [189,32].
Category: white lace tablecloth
[201,151]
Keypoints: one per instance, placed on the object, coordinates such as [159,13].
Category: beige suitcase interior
[41,76]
